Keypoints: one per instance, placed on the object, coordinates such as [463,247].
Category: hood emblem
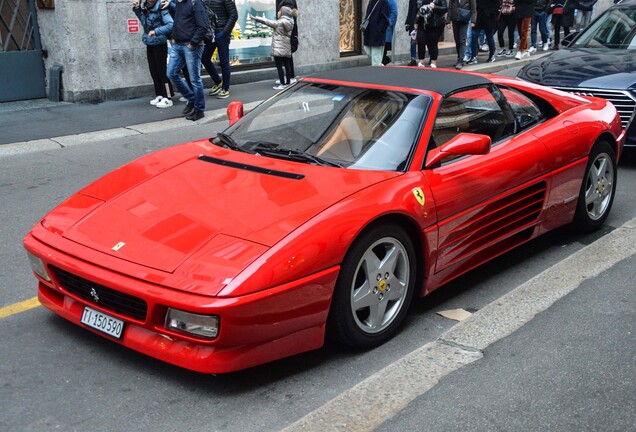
[95,295]
[118,246]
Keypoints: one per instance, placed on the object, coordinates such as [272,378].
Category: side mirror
[462,145]
[235,111]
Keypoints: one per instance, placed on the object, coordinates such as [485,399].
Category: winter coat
[487,11]
[156,19]
[281,39]
[454,5]
[567,19]
[226,15]
[541,5]
[375,33]
[438,19]
[190,22]
[294,7]
[524,8]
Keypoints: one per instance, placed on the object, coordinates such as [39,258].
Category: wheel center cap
[382,285]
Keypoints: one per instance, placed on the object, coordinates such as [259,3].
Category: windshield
[615,29]
[334,125]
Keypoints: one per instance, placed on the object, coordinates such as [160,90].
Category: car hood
[584,67]
[232,209]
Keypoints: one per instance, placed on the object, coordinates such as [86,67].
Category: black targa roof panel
[439,81]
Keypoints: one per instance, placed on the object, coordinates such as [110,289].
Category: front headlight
[206,326]
[38,267]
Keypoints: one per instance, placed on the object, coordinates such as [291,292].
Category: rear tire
[598,189]
[374,288]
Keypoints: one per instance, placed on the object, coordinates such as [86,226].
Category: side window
[478,111]
[526,112]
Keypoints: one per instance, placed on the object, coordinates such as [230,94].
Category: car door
[486,204]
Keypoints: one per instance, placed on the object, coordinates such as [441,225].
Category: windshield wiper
[295,155]
[227,141]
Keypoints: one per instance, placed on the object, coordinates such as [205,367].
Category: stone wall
[101,60]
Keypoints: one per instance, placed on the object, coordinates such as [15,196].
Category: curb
[25,147]
[367,405]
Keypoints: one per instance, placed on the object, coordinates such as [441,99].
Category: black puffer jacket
[226,14]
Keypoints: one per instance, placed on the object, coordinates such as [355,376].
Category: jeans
[181,55]
[222,44]
[490,40]
[460,32]
[541,19]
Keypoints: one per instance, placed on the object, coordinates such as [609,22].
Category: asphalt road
[570,368]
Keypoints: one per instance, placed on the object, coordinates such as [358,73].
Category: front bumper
[254,329]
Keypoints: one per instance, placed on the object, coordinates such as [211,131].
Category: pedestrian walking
[461,13]
[388,43]
[190,27]
[373,28]
[507,21]
[487,11]
[430,27]
[157,25]
[226,16]
[540,19]
[524,10]
[281,43]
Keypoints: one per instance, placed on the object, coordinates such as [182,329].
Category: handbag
[463,15]
[365,22]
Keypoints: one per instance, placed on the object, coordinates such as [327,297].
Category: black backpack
[212,21]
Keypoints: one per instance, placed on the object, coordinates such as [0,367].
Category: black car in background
[599,61]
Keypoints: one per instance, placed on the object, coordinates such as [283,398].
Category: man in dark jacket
[374,35]
[190,27]
[226,15]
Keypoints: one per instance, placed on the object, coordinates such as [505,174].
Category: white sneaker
[156,100]
[525,54]
[164,103]
[546,46]
[484,48]
[532,50]
[518,55]
[280,87]
[293,80]
[434,66]
[182,99]
[420,64]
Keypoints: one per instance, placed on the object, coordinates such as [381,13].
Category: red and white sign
[133,26]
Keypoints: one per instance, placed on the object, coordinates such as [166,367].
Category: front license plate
[102,322]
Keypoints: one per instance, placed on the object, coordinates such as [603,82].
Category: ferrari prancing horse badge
[419,195]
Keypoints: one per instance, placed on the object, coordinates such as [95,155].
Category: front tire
[598,189]
[374,288]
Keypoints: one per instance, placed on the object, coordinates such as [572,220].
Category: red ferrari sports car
[323,212]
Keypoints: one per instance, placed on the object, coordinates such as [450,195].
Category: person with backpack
[157,24]
[226,15]
[190,28]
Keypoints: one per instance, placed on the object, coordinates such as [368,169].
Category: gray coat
[281,39]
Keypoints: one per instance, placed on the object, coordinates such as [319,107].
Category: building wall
[101,60]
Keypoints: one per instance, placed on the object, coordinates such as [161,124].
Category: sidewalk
[27,126]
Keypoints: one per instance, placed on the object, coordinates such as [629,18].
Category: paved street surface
[550,345]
